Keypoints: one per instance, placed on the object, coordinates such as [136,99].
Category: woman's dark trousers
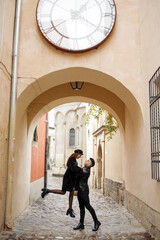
[83,199]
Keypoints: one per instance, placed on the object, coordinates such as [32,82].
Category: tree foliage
[109,122]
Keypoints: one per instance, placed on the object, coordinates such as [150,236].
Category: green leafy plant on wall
[110,123]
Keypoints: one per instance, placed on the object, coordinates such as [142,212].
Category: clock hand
[103,30]
[92,6]
[76,14]
[83,7]
[84,19]
[62,22]
[53,28]
[63,8]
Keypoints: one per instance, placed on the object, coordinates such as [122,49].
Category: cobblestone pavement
[46,219]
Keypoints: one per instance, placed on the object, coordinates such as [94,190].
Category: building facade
[51,138]
[38,158]
[70,134]
[116,77]
[108,155]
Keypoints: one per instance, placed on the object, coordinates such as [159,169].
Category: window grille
[72,137]
[154,97]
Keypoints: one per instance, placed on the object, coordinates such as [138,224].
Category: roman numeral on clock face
[75,44]
[91,40]
[107,14]
[49,30]
[59,41]
[103,30]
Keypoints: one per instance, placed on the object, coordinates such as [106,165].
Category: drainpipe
[46,156]
[104,163]
[8,222]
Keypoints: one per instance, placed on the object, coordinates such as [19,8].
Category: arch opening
[53,90]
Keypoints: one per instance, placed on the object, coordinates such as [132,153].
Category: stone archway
[53,90]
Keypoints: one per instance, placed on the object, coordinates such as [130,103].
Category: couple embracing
[76,178]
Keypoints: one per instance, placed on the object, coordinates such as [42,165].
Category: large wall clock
[76,25]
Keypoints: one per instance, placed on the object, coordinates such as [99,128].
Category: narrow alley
[46,219]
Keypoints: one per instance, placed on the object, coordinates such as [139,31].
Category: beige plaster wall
[111,153]
[7,11]
[149,38]
[6,37]
[113,157]
[150,55]
[120,49]
[35,189]
[111,150]
[22,168]
[137,169]
[114,78]
[4,99]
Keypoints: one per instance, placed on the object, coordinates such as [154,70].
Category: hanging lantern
[76,85]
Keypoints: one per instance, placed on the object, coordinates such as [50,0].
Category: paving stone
[46,219]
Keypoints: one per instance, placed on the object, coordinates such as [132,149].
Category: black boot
[96,226]
[79,226]
[70,212]
[44,192]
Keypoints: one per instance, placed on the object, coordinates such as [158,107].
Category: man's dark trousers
[83,198]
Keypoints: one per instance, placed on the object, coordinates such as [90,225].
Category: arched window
[72,137]
[78,136]
[35,134]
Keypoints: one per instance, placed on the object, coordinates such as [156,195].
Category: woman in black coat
[69,180]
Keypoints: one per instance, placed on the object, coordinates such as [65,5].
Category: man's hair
[93,162]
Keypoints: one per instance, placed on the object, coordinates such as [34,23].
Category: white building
[51,138]
[69,134]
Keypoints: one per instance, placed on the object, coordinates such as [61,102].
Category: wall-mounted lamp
[76,85]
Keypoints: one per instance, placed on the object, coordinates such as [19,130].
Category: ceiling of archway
[89,92]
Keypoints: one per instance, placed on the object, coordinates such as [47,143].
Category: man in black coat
[83,196]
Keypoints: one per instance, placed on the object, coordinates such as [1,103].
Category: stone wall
[147,216]
[114,189]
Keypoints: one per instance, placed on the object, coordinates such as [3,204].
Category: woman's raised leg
[56,191]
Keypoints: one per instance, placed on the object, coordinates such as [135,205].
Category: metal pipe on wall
[8,222]
[46,156]
[104,160]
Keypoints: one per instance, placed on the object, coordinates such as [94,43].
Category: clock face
[76,25]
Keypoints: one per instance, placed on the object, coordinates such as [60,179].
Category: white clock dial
[76,25]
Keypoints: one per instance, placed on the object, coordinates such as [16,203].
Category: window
[78,136]
[154,97]
[35,135]
[72,137]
